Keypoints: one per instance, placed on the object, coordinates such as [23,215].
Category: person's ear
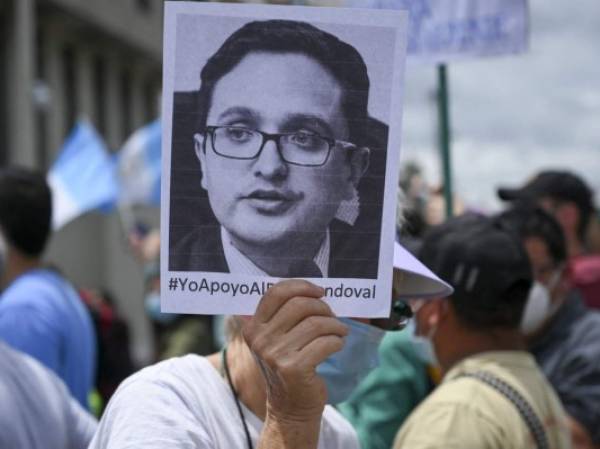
[359,162]
[438,312]
[201,155]
[433,315]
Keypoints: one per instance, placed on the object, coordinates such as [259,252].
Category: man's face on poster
[266,199]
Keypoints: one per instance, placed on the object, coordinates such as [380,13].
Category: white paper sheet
[232,227]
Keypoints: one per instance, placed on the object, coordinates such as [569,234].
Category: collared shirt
[465,413]
[240,264]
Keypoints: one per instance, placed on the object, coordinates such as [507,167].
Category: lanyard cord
[235,396]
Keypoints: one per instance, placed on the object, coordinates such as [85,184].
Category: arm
[82,425]
[292,332]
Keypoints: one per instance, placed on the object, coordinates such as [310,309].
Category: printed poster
[281,144]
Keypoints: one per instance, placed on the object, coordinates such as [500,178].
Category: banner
[443,31]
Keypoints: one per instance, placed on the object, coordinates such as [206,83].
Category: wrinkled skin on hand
[292,332]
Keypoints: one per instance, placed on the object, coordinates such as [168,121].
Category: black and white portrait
[278,155]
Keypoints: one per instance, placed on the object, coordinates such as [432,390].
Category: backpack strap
[523,407]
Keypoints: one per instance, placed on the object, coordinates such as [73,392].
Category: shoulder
[354,252]
[455,415]
[575,344]
[176,377]
[32,305]
[25,370]
[41,391]
[588,329]
[161,404]
[336,432]
[200,249]
[30,288]
[39,288]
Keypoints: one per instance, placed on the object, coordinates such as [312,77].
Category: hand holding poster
[279,163]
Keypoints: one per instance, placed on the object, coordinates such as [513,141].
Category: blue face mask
[422,345]
[343,370]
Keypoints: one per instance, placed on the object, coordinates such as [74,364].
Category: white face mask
[423,346]
[539,307]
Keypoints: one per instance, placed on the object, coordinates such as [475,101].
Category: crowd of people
[493,338]
[508,357]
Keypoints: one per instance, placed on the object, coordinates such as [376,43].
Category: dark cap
[558,185]
[482,260]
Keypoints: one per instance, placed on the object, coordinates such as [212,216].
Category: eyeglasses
[302,148]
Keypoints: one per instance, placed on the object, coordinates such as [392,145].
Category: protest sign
[277,156]
[444,31]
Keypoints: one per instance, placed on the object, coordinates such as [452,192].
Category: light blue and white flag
[83,176]
[139,167]
[443,31]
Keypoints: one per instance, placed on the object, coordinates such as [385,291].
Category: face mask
[152,306]
[422,345]
[539,307]
[343,370]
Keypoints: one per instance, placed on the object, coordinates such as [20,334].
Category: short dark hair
[486,265]
[529,221]
[25,209]
[342,60]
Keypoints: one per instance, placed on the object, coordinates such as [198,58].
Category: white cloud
[513,116]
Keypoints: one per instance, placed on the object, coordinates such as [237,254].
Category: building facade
[62,60]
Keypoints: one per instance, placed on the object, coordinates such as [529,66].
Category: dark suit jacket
[351,254]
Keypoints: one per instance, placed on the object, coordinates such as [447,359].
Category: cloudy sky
[514,115]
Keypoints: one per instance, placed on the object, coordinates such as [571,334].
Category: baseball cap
[480,258]
[418,280]
[561,185]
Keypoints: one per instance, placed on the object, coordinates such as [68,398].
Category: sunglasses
[400,315]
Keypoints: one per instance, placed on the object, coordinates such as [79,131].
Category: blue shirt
[42,315]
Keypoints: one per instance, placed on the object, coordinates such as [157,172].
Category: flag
[139,167]
[83,176]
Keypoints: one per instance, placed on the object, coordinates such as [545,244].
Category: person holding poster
[280,134]
[269,387]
